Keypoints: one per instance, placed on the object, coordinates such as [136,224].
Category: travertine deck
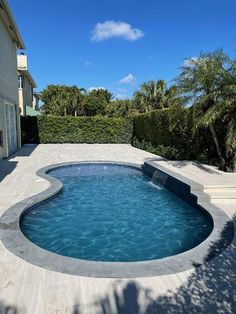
[30,289]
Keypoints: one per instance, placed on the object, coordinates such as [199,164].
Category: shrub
[53,129]
[167,152]
[169,133]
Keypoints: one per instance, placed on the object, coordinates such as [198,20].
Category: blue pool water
[113,213]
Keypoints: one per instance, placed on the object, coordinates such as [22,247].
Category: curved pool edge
[14,240]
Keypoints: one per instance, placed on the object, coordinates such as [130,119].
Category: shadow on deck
[5,309]
[8,165]
[210,289]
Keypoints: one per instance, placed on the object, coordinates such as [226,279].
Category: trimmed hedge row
[169,133]
[52,129]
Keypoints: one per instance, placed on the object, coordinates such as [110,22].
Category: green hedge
[169,133]
[52,129]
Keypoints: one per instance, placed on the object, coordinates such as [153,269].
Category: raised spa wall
[176,186]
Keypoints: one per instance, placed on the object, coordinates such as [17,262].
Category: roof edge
[28,74]
[15,30]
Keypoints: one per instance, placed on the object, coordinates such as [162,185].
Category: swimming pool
[113,213]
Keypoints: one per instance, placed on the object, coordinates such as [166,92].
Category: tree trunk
[231,163]
[234,163]
[65,113]
[218,148]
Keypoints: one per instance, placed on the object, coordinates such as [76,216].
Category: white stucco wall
[8,65]
[25,95]
[8,80]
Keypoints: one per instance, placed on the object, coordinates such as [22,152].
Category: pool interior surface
[113,213]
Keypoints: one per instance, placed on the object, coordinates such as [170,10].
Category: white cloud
[95,88]
[129,79]
[189,61]
[121,97]
[111,29]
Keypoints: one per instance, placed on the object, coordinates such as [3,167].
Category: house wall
[21,102]
[35,102]
[25,95]
[28,93]
[22,62]
[8,81]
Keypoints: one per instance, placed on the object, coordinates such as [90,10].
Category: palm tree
[173,97]
[156,95]
[209,83]
[64,99]
[76,100]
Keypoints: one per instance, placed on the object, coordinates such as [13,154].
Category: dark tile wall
[174,185]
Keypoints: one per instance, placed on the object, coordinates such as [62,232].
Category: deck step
[220,189]
[221,186]
[220,194]
[219,202]
[223,195]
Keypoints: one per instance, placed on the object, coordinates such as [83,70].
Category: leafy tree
[96,102]
[209,82]
[103,94]
[76,100]
[121,108]
[49,98]
[156,95]
[62,100]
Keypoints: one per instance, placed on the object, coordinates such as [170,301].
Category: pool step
[218,189]
[216,193]
[202,197]
[228,201]
[223,193]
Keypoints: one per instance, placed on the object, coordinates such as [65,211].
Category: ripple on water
[113,213]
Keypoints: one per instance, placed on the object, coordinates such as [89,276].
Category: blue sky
[120,44]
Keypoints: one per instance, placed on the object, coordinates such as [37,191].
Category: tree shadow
[184,163]
[4,309]
[211,289]
[158,158]
[126,302]
[76,310]
[206,168]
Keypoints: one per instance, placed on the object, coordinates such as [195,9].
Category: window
[20,81]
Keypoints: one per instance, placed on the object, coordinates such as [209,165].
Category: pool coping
[14,240]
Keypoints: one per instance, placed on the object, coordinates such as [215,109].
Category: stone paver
[31,289]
